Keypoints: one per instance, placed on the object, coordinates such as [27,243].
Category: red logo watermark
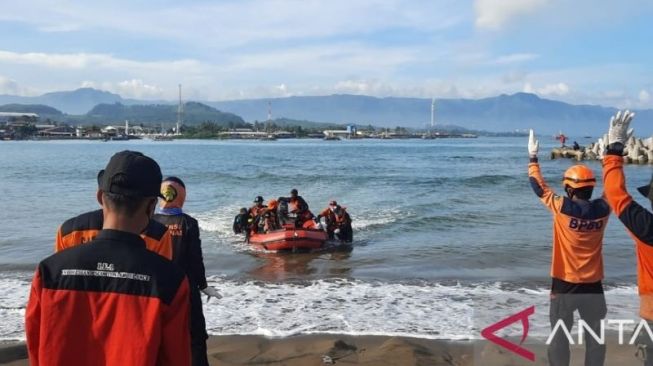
[489,333]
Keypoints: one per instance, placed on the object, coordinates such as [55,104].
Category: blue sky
[596,52]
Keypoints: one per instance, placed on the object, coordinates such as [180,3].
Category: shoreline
[325,349]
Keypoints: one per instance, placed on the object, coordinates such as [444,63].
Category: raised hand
[618,133]
[533,145]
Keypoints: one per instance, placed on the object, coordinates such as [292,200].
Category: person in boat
[187,254]
[242,221]
[269,220]
[258,207]
[299,208]
[577,260]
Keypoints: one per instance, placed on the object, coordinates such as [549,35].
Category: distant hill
[501,113]
[497,114]
[194,113]
[77,101]
[31,108]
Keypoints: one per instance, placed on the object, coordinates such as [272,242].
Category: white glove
[602,147]
[619,132]
[210,292]
[533,145]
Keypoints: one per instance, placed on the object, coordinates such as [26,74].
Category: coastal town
[29,126]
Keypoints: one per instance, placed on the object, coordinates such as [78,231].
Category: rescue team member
[343,230]
[187,254]
[577,260]
[338,222]
[258,207]
[85,227]
[637,219]
[112,301]
[242,222]
[297,202]
[329,218]
[269,219]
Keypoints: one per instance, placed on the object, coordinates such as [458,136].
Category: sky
[581,51]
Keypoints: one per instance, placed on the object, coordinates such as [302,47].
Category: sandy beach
[308,350]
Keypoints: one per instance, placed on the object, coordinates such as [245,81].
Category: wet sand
[326,349]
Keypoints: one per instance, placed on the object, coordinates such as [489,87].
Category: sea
[448,235]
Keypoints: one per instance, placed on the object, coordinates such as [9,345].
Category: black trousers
[592,309]
[198,335]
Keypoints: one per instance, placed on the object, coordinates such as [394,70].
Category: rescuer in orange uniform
[637,219]
[338,222]
[112,301]
[85,227]
[577,259]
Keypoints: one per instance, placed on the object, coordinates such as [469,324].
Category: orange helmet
[273,204]
[579,176]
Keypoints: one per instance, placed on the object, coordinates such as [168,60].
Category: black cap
[132,174]
[175,179]
[258,199]
[293,191]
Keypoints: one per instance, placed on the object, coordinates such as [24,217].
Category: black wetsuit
[187,253]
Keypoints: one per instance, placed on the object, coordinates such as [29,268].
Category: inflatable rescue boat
[290,238]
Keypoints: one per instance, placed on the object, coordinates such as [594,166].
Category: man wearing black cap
[112,301]
[258,207]
[637,219]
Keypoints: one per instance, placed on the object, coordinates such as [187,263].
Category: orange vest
[578,228]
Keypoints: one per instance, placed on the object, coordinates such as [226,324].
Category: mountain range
[500,113]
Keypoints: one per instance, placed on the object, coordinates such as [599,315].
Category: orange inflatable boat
[290,238]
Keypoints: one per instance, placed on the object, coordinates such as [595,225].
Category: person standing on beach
[85,227]
[577,260]
[637,219]
[187,253]
[112,301]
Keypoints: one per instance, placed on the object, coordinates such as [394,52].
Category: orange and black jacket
[255,210]
[578,227]
[109,302]
[334,220]
[186,246]
[83,228]
[638,221]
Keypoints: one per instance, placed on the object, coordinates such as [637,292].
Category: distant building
[57,131]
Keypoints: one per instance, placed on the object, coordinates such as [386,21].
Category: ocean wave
[418,309]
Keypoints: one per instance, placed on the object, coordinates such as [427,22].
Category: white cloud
[644,96]
[9,86]
[514,58]
[59,28]
[134,88]
[235,23]
[494,14]
[92,60]
[557,89]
